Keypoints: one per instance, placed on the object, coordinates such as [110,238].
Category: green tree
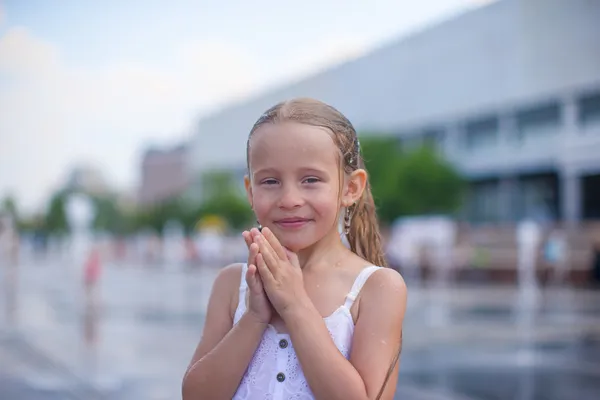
[55,220]
[157,216]
[9,205]
[410,182]
[233,208]
[109,217]
[216,183]
[222,196]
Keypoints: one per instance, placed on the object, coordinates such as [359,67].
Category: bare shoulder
[386,279]
[230,272]
[385,290]
[227,283]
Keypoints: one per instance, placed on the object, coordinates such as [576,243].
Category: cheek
[327,204]
[261,203]
[261,209]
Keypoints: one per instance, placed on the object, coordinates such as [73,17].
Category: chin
[297,240]
[294,243]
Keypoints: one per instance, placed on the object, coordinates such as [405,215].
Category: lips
[292,222]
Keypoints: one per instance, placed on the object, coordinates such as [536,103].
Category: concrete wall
[510,54]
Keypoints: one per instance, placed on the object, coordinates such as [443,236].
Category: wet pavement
[133,339]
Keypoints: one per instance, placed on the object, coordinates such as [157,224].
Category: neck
[326,251]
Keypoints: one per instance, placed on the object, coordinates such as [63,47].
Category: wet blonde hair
[364,236]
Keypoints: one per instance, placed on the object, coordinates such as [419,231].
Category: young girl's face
[294,182]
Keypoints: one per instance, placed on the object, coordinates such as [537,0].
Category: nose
[291,197]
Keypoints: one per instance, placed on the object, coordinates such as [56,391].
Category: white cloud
[214,72]
[22,56]
[52,114]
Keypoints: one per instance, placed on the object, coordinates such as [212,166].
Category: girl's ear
[355,186]
[248,186]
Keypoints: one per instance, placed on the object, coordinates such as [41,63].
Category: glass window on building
[591,196]
[483,202]
[588,107]
[538,197]
[539,122]
[481,134]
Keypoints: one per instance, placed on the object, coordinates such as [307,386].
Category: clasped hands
[274,277]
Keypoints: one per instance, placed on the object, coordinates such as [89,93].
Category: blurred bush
[412,180]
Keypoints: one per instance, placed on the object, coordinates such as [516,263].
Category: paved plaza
[133,340]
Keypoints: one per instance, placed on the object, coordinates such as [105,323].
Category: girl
[305,317]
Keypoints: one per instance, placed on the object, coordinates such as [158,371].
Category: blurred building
[510,93]
[163,174]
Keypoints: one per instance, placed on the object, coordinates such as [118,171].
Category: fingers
[247,238]
[252,247]
[254,232]
[274,243]
[263,270]
[267,252]
[253,279]
[250,275]
[250,235]
[252,252]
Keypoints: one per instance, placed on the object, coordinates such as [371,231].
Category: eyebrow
[313,170]
[264,171]
[309,170]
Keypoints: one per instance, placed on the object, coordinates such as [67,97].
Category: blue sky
[97,81]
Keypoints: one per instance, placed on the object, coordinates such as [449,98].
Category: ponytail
[365,240]
[364,236]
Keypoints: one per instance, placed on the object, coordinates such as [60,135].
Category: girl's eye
[269,182]
[311,180]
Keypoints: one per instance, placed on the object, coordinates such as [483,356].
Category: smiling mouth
[292,223]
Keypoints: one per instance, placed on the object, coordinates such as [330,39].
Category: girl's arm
[375,344]
[224,351]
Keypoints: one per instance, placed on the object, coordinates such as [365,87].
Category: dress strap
[358,284]
[241,307]
[243,283]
